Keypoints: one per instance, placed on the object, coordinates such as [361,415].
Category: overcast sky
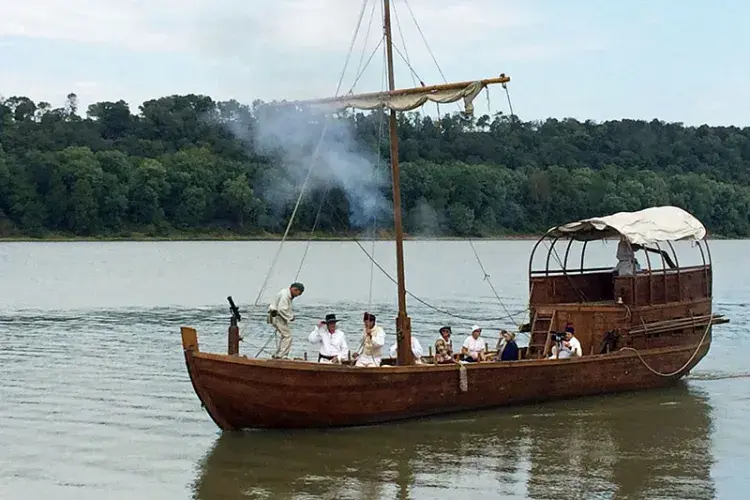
[676,60]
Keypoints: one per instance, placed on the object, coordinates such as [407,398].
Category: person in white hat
[473,346]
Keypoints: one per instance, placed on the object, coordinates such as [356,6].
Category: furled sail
[407,102]
[407,99]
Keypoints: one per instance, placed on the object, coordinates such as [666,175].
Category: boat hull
[242,393]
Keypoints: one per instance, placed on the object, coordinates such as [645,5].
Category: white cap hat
[476,327]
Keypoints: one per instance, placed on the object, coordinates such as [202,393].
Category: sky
[674,60]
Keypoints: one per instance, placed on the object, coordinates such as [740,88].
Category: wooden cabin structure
[660,304]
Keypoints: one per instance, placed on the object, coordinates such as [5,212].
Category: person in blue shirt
[507,349]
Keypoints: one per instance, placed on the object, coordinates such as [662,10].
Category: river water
[95,401]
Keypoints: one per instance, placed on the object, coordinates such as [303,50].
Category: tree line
[183,163]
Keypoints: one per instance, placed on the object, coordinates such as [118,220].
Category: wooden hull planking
[242,393]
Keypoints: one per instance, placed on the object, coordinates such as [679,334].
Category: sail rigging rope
[312,232]
[429,50]
[359,75]
[424,303]
[294,212]
[367,36]
[424,39]
[410,294]
[414,75]
[314,157]
[381,121]
[492,287]
[507,94]
[351,45]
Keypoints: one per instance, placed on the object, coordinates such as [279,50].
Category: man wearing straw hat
[280,314]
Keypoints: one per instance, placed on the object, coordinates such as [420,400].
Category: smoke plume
[299,139]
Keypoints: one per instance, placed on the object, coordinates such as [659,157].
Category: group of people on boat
[333,347]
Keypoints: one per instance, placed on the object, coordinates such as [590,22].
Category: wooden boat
[637,331]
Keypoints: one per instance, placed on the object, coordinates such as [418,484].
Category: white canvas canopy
[643,227]
[404,101]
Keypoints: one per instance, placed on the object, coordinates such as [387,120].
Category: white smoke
[424,220]
[292,136]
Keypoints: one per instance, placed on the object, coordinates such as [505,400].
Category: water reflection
[627,446]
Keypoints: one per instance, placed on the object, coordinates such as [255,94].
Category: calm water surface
[95,401]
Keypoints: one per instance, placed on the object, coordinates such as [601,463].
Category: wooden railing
[600,284]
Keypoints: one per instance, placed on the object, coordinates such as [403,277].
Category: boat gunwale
[312,366]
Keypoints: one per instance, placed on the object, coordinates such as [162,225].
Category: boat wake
[716,375]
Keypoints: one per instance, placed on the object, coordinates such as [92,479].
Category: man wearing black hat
[333,347]
[280,314]
[570,347]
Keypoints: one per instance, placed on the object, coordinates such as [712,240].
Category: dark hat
[368,317]
[445,328]
[331,318]
[569,328]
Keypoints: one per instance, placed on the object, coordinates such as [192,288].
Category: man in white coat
[416,350]
[280,314]
[373,340]
[333,348]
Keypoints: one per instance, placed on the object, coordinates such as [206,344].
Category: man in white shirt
[416,350]
[333,347]
[473,346]
[570,347]
[280,314]
[373,340]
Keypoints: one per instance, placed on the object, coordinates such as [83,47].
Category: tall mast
[403,322]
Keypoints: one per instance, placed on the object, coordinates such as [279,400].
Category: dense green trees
[187,163]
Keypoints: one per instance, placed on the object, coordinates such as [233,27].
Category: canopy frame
[598,228]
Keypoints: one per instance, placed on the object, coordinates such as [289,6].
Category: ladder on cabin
[541,327]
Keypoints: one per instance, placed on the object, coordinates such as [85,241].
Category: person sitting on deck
[444,346]
[473,347]
[373,339]
[416,350]
[570,347]
[333,340]
[507,349]
[627,264]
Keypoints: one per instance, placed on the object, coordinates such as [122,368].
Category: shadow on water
[639,445]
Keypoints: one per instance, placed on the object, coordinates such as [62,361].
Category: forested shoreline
[187,167]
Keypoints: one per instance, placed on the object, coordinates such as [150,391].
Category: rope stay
[312,161]
[312,233]
[429,50]
[414,75]
[507,94]
[424,39]
[364,45]
[423,302]
[492,287]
